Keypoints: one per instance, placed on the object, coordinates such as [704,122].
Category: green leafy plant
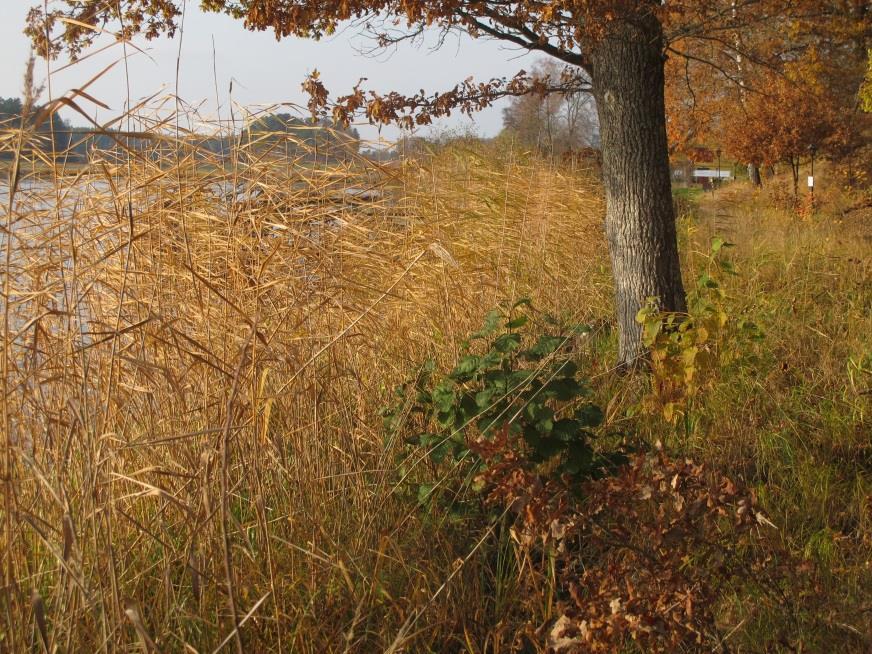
[510,394]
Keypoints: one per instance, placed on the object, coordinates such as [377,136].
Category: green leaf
[542,448]
[483,398]
[440,452]
[567,430]
[445,418]
[519,378]
[490,360]
[506,343]
[544,346]
[520,321]
[545,426]
[705,281]
[643,315]
[466,367]
[563,389]
[718,243]
[727,267]
[579,460]
[542,417]
[443,396]
[536,411]
[589,415]
[425,494]
[425,439]
[650,331]
[499,379]
[491,322]
[468,407]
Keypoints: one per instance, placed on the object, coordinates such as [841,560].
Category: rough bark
[628,74]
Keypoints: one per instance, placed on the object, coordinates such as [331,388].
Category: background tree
[769,91]
[10,108]
[55,133]
[798,111]
[621,45]
[291,136]
[554,123]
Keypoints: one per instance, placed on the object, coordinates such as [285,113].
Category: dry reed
[197,347]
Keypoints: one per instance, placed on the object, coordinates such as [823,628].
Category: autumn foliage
[647,554]
[773,93]
[711,45]
[795,114]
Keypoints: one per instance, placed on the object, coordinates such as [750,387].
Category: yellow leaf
[688,356]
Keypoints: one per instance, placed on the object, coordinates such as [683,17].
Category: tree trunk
[754,175]
[794,169]
[627,68]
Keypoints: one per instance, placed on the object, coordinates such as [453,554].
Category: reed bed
[195,351]
[197,346]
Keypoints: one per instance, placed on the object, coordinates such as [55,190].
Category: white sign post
[810,181]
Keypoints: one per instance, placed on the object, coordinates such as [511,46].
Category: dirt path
[718,209]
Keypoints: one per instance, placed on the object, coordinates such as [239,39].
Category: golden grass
[193,451]
[196,351]
[794,416]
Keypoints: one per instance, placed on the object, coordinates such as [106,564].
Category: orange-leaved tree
[616,49]
[798,114]
[769,92]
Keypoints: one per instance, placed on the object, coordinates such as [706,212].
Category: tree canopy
[722,34]
[806,95]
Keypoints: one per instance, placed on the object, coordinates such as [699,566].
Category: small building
[706,176]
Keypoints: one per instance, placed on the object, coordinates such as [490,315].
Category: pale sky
[263,71]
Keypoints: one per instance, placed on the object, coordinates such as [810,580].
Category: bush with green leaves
[515,389]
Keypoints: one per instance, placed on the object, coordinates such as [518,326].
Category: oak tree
[616,49]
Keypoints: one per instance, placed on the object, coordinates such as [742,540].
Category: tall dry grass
[196,349]
[195,353]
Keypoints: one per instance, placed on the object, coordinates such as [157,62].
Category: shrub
[688,351]
[512,397]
